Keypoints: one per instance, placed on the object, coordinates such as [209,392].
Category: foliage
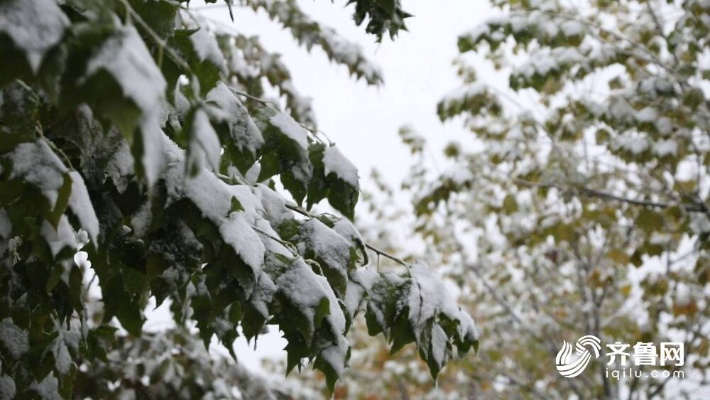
[169,364]
[580,205]
[146,144]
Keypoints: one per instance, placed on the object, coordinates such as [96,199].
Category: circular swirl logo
[585,347]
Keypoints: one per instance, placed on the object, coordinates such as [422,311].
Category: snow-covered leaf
[18,19]
[14,341]
[285,153]
[204,148]
[124,59]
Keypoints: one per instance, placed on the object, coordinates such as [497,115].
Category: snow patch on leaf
[206,47]
[289,127]
[274,205]
[125,56]
[204,144]
[243,131]
[237,233]
[335,162]
[14,340]
[429,296]
[60,238]
[35,26]
[37,164]
[80,204]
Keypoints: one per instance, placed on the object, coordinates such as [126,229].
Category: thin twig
[272,105]
[383,253]
[387,255]
[284,243]
[157,39]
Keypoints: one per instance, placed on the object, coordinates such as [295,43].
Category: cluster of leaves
[171,364]
[139,143]
[581,206]
[383,16]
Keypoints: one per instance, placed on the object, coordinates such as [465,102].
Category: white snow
[344,51]
[238,233]
[647,114]
[458,174]
[683,296]
[80,204]
[37,164]
[205,144]
[335,162]
[664,126]
[120,167]
[347,230]
[209,193]
[289,127]
[35,26]
[633,144]
[59,238]
[306,290]
[335,355]
[665,147]
[619,108]
[425,285]
[244,131]
[274,205]
[8,390]
[479,31]
[326,243]
[549,28]
[468,91]
[153,158]
[141,220]
[361,281]
[439,344]
[81,259]
[48,389]
[126,58]
[572,28]
[62,358]
[464,93]
[14,340]
[518,23]
[206,47]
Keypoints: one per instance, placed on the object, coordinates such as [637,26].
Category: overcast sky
[417,67]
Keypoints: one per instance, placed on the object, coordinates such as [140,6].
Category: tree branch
[698,208]
[383,253]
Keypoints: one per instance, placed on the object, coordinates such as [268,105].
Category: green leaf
[285,152]
[124,84]
[510,205]
[237,131]
[334,178]
[204,146]
[203,55]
